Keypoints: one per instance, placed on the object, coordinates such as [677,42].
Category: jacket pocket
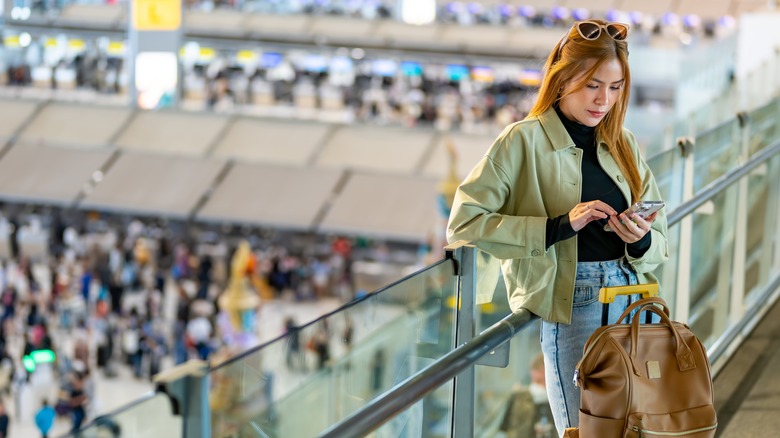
[698,422]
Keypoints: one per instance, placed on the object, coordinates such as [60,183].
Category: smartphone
[642,208]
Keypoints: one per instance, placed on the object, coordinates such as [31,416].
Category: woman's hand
[631,228]
[586,212]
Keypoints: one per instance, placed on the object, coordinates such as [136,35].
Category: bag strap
[683,353]
[642,303]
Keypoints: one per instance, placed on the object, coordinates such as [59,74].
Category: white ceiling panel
[153,184]
[469,149]
[272,141]
[172,132]
[75,125]
[47,174]
[13,113]
[384,206]
[376,148]
[271,195]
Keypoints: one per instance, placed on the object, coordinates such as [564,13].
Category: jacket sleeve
[480,214]
[659,248]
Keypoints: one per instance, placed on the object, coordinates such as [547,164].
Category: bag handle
[641,303]
[683,353]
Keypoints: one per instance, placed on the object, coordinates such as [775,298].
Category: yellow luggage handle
[608,294]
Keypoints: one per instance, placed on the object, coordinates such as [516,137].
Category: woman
[541,196]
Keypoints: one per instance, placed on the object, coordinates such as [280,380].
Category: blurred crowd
[76,300]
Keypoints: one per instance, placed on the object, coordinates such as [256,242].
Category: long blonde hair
[564,64]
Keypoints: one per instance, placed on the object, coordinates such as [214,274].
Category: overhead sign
[157,14]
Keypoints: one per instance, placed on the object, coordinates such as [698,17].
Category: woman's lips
[595,113]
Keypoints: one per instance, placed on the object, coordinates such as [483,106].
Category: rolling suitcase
[644,380]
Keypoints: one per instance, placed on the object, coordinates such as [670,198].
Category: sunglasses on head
[591,30]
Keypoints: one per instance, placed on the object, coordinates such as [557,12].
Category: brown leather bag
[645,380]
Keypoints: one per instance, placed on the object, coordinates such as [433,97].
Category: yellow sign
[11,41]
[116,48]
[207,53]
[76,44]
[157,14]
[246,56]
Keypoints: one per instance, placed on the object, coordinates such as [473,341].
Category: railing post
[740,234]
[188,387]
[774,191]
[463,403]
[674,199]
[683,289]
[726,255]
[769,245]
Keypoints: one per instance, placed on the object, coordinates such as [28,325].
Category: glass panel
[668,171]
[716,153]
[496,388]
[337,364]
[667,273]
[152,417]
[711,265]
[764,128]
[762,225]
[513,399]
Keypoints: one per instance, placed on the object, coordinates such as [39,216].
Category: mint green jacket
[529,174]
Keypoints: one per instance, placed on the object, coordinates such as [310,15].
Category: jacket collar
[555,130]
[557,133]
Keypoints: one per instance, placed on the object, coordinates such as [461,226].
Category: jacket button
[620,178]
[536,253]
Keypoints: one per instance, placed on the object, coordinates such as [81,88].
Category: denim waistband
[598,272]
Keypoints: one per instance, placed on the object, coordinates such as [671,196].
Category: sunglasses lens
[617,31]
[589,31]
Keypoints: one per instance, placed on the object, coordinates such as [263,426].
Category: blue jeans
[562,344]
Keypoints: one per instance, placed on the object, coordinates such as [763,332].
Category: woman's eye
[615,88]
[592,87]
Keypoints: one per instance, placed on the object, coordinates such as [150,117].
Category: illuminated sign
[157,14]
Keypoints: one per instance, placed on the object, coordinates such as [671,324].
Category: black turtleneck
[594,243]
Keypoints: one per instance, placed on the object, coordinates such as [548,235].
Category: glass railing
[331,367]
[150,417]
[713,227]
[723,262]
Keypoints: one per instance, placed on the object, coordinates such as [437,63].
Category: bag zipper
[640,431]
[590,346]
[585,354]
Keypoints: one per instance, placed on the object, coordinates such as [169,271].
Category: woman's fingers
[629,229]
[603,207]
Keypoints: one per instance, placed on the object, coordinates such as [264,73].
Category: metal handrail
[411,390]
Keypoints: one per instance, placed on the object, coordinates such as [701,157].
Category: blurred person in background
[77,401]
[44,419]
[4,421]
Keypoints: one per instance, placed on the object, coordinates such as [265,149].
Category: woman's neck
[582,135]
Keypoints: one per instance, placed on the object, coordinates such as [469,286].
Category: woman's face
[589,105]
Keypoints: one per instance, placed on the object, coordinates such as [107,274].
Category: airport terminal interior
[226,218]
